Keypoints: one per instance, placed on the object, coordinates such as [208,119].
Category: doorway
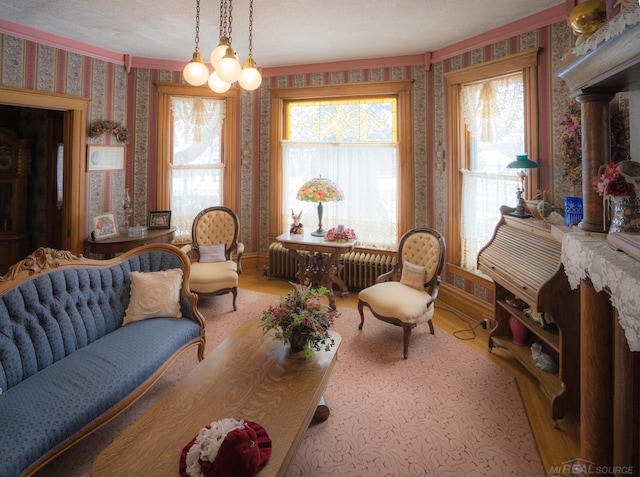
[68,120]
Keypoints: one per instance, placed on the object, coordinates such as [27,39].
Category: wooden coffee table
[248,376]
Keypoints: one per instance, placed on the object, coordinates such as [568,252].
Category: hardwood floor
[557,445]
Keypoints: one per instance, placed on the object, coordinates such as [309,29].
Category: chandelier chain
[250,27]
[197,24]
[230,20]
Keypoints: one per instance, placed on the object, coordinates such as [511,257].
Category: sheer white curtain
[196,168]
[493,111]
[366,173]
[482,196]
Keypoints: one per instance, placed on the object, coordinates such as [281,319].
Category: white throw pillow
[413,275]
[211,253]
[154,294]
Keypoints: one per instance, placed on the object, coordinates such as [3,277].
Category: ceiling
[285,32]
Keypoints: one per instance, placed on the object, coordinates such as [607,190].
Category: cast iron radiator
[360,268]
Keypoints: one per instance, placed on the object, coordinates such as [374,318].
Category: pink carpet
[446,411]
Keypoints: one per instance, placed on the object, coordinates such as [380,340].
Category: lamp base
[319,233]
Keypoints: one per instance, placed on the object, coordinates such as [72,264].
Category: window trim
[458,140]
[165,133]
[400,89]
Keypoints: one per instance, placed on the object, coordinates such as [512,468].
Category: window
[355,135]
[196,167]
[353,143]
[492,109]
[493,112]
[196,151]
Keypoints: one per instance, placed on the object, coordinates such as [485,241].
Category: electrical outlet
[485,323]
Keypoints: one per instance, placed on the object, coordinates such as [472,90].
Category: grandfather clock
[15,167]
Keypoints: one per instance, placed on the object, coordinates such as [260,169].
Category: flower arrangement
[340,234]
[301,319]
[571,153]
[614,182]
[100,127]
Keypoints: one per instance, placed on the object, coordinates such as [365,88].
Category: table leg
[322,411]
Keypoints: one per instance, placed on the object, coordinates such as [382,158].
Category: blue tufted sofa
[67,365]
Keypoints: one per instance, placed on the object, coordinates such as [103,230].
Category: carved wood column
[596,151]
[596,375]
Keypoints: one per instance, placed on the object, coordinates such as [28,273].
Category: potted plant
[619,182]
[301,320]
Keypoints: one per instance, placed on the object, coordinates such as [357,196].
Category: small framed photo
[104,226]
[105,158]
[159,219]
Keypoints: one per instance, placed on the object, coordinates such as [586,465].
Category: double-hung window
[493,112]
[196,153]
[353,143]
[356,136]
[197,170]
[492,117]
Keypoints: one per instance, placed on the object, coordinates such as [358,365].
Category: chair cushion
[211,277]
[211,253]
[395,300]
[154,294]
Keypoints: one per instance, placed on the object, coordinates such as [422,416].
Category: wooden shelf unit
[524,261]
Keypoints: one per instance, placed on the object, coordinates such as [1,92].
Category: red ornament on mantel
[613,8]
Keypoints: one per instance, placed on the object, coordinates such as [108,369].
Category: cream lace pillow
[413,275]
[154,294]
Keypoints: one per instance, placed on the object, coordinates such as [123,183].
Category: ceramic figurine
[297,228]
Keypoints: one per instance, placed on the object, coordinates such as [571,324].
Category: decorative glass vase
[572,211]
[625,214]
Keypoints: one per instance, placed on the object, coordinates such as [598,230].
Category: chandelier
[224,59]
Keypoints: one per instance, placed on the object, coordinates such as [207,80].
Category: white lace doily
[586,255]
[630,16]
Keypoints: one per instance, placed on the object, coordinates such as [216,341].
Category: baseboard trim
[465,303]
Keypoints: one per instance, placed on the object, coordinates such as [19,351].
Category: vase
[518,331]
[572,211]
[298,342]
[625,216]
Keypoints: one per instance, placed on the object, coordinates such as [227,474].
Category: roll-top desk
[524,260]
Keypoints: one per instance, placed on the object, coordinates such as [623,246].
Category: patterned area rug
[445,411]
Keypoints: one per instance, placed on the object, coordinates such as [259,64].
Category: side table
[322,265]
[109,247]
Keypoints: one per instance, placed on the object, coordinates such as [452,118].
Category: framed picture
[104,226]
[105,158]
[159,219]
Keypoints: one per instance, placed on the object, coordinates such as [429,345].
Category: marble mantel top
[588,255]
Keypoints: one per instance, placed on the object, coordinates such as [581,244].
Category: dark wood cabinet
[523,259]
[15,167]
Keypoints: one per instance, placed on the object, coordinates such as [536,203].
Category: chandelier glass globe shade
[229,69]
[196,72]
[250,78]
[217,85]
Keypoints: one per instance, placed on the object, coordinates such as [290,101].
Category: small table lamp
[523,163]
[320,190]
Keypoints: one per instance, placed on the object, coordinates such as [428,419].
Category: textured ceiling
[285,32]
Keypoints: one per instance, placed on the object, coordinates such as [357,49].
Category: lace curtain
[366,173]
[197,116]
[492,108]
[482,196]
[196,167]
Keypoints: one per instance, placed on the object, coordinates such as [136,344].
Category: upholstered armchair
[214,238]
[405,295]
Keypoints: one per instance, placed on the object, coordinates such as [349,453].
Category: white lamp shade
[195,73]
[217,85]
[250,78]
[229,69]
